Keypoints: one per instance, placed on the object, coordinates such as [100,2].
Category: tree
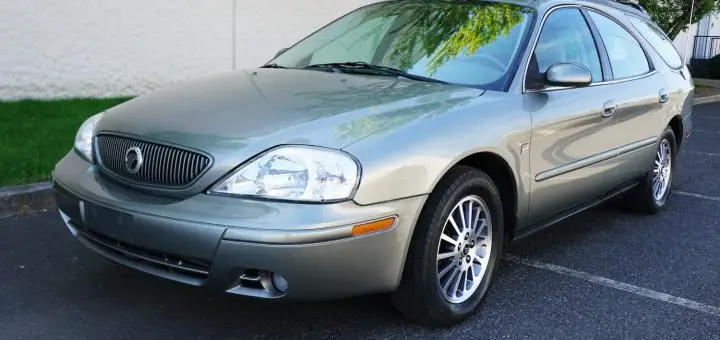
[444,34]
[673,16]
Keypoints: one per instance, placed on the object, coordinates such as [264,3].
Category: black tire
[419,296]
[641,199]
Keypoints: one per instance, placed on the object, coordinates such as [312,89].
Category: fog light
[279,282]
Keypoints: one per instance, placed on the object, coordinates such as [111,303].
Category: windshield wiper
[273,65]
[361,65]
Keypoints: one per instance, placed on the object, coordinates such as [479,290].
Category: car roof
[628,6]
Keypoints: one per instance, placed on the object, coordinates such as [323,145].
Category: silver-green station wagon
[396,150]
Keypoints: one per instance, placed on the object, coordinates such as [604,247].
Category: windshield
[462,43]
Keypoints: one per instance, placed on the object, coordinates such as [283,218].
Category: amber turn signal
[383,224]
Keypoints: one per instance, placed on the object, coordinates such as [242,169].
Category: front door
[573,144]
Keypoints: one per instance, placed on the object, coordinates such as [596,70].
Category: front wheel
[454,252]
[652,192]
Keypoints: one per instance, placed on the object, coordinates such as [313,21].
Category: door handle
[609,109]
[664,96]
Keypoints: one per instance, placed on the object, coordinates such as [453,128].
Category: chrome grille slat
[151,175]
[156,163]
[165,160]
[193,166]
[186,166]
[181,168]
[163,165]
[175,160]
[171,160]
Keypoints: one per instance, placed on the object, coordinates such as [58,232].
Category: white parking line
[705,131]
[708,117]
[690,194]
[701,153]
[698,306]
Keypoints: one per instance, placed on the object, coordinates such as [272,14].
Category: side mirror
[568,74]
[280,52]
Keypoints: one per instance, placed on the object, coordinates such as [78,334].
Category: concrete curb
[37,197]
[26,199]
[706,100]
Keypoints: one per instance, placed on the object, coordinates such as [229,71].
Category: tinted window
[627,58]
[659,41]
[464,43]
[566,37]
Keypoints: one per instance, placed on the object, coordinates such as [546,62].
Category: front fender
[410,160]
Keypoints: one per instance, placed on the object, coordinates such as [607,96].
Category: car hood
[237,115]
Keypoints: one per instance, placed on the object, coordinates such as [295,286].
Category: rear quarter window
[658,40]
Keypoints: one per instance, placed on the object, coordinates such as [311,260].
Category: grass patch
[35,134]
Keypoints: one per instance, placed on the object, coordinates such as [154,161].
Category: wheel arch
[676,123]
[500,171]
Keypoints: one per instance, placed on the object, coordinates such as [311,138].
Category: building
[703,44]
[109,48]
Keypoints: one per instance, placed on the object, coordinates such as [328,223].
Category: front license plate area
[110,223]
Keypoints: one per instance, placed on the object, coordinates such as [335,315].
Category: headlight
[297,173]
[84,137]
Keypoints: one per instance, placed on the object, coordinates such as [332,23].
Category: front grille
[162,165]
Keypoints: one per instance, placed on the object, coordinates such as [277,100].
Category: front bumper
[234,245]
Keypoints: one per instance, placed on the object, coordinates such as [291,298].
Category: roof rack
[632,3]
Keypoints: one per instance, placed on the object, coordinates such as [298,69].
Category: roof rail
[632,3]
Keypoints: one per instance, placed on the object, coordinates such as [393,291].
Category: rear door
[679,83]
[641,94]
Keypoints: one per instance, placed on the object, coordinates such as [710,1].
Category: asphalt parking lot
[603,274]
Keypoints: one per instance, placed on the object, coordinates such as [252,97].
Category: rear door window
[627,58]
[658,40]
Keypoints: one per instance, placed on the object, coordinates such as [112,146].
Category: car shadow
[121,297]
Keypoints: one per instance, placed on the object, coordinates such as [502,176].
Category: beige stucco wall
[104,48]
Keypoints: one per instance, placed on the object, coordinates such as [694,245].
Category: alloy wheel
[464,249]
[662,171]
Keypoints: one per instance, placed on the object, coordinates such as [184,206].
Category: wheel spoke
[462,217]
[447,269]
[449,239]
[465,280]
[451,279]
[446,255]
[469,210]
[455,226]
[481,229]
[477,220]
[456,284]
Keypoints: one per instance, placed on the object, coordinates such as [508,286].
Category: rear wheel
[653,191]
[454,252]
